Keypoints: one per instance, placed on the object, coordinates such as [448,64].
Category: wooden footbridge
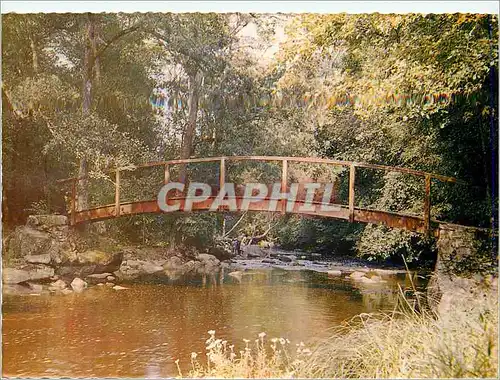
[417,223]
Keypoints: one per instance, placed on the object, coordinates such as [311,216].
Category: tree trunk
[187,141]
[88,66]
[82,198]
[96,59]
[34,56]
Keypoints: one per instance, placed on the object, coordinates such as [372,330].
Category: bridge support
[458,250]
[462,269]
[462,257]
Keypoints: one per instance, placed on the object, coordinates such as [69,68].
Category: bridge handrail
[312,160]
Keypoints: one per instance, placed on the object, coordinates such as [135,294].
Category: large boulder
[27,273]
[62,252]
[40,272]
[130,269]
[150,268]
[26,241]
[14,276]
[90,262]
[192,266]
[101,258]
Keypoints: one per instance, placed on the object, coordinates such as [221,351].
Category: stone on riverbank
[253,251]
[35,288]
[151,268]
[99,276]
[90,262]
[287,259]
[57,285]
[356,274]
[209,263]
[38,259]
[14,276]
[47,221]
[78,284]
[26,241]
[173,263]
[26,273]
[334,273]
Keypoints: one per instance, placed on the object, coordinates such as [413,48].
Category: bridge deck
[363,215]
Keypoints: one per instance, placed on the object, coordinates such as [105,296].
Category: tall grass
[402,344]
[461,343]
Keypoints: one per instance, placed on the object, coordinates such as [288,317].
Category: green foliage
[417,91]
[381,243]
[402,90]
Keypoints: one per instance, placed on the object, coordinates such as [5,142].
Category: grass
[463,343]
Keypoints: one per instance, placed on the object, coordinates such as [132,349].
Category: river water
[142,330]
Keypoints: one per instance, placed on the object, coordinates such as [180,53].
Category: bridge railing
[284,161]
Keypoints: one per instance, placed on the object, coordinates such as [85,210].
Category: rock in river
[237,275]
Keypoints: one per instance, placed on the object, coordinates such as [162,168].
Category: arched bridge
[349,211]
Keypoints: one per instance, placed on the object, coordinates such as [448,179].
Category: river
[142,330]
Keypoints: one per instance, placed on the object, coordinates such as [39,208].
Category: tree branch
[115,38]
[235,225]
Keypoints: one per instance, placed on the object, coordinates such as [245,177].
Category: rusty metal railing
[352,166]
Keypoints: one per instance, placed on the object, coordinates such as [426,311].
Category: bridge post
[222,173]
[352,179]
[117,192]
[167,174]
[284,186]
[427,204]
[73,202]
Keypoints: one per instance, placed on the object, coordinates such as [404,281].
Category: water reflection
[139,332]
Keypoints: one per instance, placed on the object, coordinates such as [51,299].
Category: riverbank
[459,343]
[46,256]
